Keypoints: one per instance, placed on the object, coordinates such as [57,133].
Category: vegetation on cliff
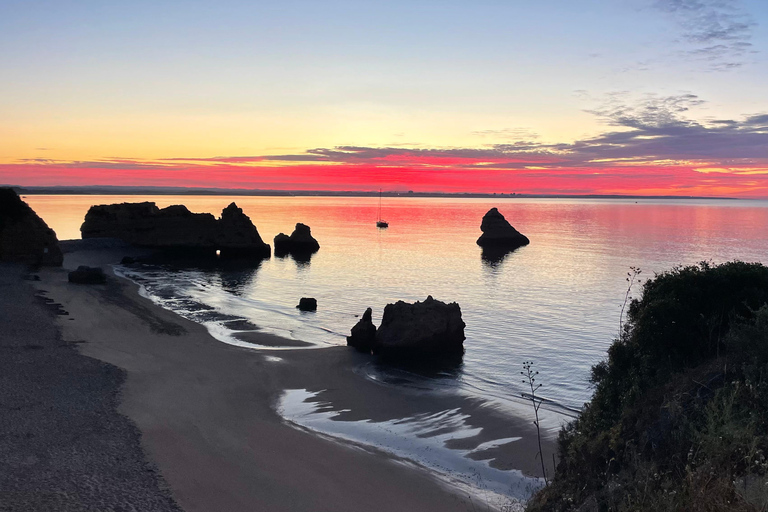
[679,416]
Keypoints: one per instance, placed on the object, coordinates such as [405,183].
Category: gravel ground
[63,445]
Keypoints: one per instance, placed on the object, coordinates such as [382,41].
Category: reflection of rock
[307,304]
[301,243]
[363,333]
[25,237]
[498,233]
[87,275]
[175,227]
[429,328]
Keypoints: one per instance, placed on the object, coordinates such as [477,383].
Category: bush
[680,409]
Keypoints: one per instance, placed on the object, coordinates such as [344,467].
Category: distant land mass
[104,190]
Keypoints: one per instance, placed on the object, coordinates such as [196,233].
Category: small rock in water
[307,304]
[128,260]
[87,275]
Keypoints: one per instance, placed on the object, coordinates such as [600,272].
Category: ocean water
[556,301]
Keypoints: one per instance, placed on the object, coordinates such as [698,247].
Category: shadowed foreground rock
[498,233]
[175,227]
[301,242]
[429,328]
[87,275]
[363,334]
[25,237]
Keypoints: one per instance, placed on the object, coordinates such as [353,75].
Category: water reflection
[493,257]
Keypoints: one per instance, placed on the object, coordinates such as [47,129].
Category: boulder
[175,227]
[300,242]
[25,237]
[128,260]
[307,304]
[430,328]
[498,233]
[363,334]
[87,275]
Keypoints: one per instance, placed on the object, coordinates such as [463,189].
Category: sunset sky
[649,97]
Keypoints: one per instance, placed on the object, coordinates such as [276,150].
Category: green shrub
[679,416]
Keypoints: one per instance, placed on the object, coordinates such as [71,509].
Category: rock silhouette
[307,304]
[498,234]
[429,329]
[175,227]
[301,242]
[87,275]
[363,334]
[24,236]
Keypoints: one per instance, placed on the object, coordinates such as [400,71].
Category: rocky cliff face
[498,233]
[175,227]
[25,237]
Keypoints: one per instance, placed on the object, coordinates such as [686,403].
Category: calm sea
[555,302]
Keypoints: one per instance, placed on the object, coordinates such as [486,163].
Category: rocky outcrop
[431,329]
[301,242]
[25,237]
[498,233]
[307,304]
[87,275]
[363,334]
[175,227]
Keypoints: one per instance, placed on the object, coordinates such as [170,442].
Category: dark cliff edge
[679,417]
[24,236]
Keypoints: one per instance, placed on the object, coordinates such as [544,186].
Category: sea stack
[498,233]
[24,236]
[423,330]
[301,242]
[175,227]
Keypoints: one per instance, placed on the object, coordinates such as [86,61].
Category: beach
[208,420]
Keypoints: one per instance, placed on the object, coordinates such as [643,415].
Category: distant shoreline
[156,191]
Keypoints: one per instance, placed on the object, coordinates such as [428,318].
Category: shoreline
[207,410]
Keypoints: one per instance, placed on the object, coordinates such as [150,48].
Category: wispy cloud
[717,32]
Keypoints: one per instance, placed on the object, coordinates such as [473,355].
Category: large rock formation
[498,233]
[25,237]
[301,242]
[175,227]
[363,334]
[429,328]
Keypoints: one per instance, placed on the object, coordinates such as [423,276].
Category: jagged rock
[128,260]
[307,304]
[498,233]
[87,275]
[363,334]
[429,328]
[300,242]
[24,236]
[175,227]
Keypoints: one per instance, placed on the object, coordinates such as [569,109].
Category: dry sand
[207,410]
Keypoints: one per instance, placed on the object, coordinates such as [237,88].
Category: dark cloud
[718,31]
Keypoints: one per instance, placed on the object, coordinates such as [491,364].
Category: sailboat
[381,223]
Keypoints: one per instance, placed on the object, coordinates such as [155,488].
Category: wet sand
[206,410]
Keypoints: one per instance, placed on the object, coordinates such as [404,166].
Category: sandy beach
[206,410]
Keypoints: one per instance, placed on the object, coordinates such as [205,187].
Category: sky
[645,97]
